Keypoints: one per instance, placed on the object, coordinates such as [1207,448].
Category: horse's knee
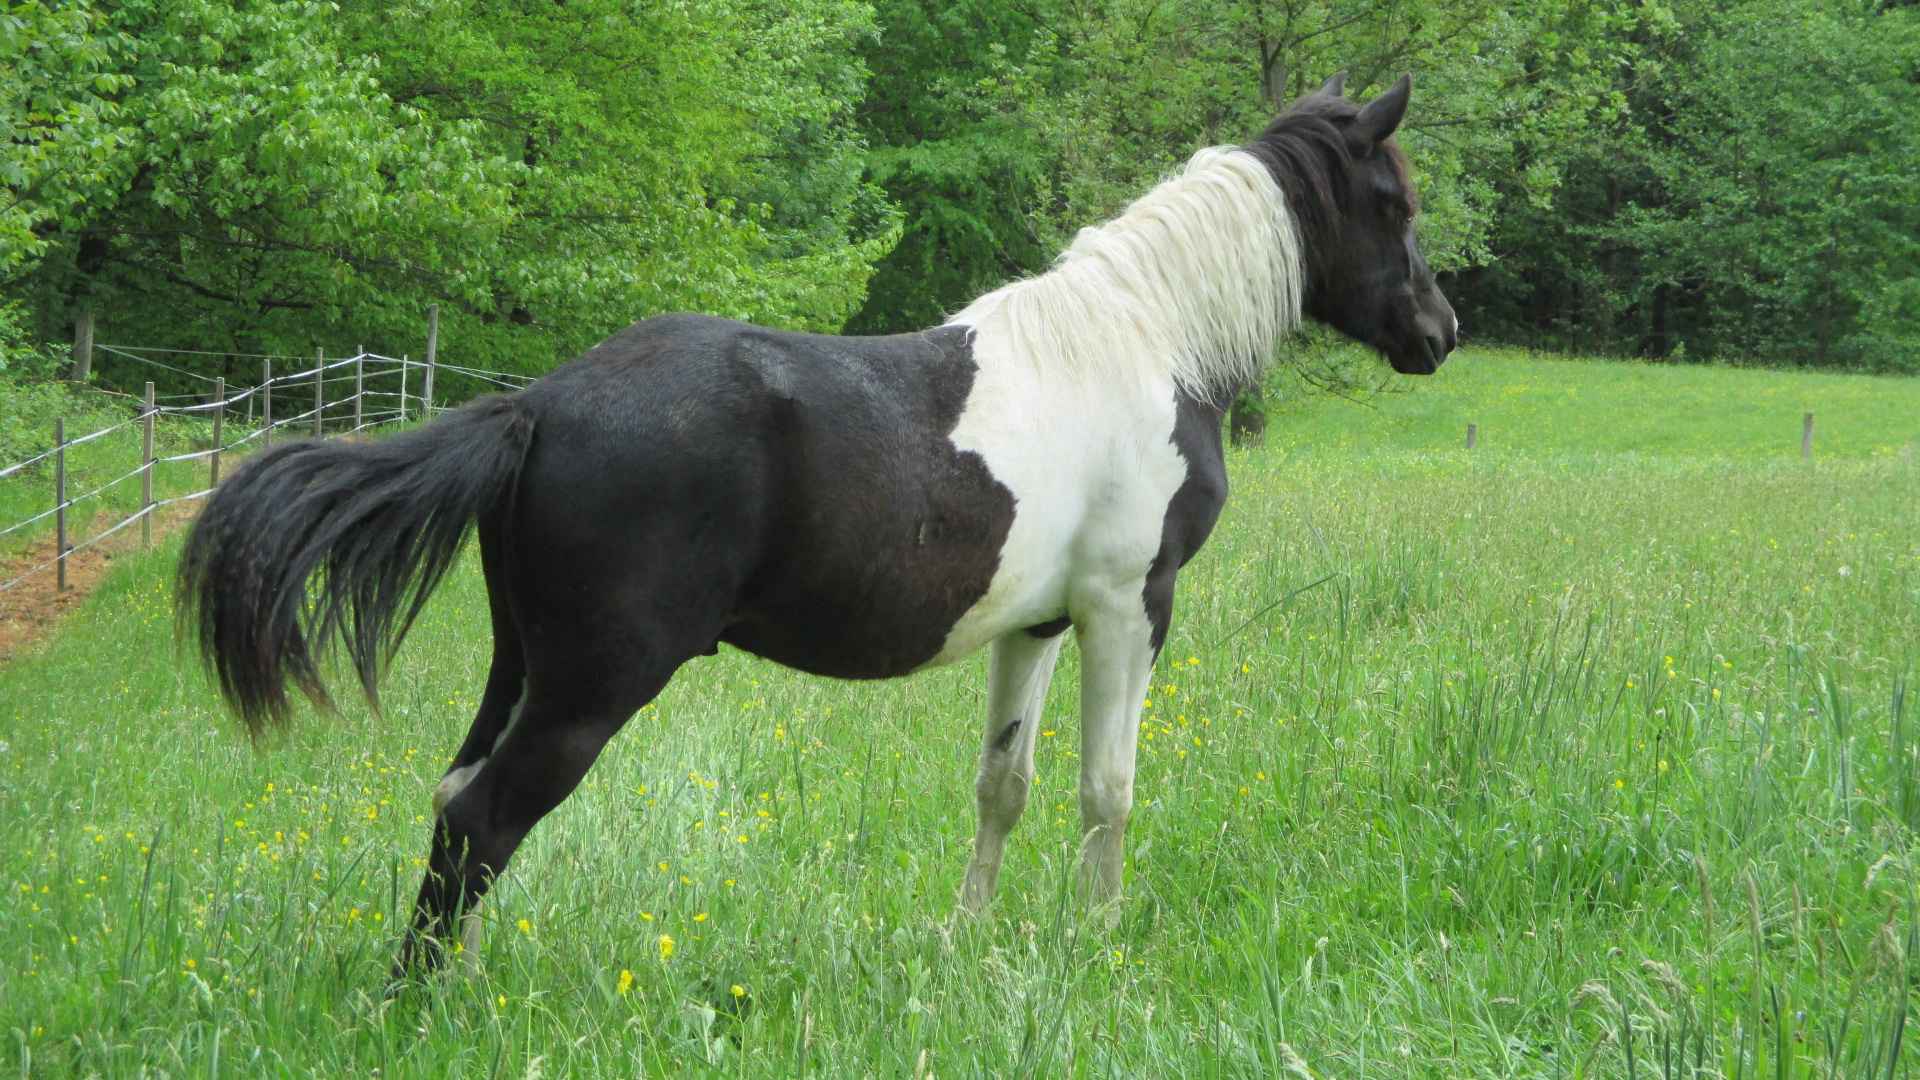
[1001,791]
[1105,801]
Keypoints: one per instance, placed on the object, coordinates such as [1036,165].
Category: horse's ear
[1334,86]
[1379,118]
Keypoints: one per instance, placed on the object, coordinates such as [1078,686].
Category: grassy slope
[1564,744]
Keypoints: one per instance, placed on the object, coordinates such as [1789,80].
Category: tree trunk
[82,346]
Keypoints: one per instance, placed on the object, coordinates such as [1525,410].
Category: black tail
[380,523]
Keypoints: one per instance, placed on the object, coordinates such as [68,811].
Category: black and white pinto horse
[853,507]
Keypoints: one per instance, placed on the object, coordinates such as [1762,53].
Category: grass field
[1589,754]
[1523,402]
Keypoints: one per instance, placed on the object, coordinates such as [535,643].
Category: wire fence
[312,402]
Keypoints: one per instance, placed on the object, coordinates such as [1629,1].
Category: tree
[265,177]
[1757,199]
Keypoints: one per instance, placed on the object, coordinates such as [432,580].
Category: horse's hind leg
[506,678]
[558,728]
[506,685]
[597,640]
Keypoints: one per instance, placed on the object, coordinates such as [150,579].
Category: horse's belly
[888,621]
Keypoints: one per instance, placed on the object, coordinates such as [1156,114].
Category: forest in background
[1735,180]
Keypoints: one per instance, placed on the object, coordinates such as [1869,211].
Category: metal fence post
[1473,434]
[60,504]
[146,471]
[219,414]
[319,391]
[403,388]
[433,348]
[266,402]
[359,388]
[1806,437]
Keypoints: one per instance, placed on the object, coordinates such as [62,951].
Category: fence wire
[295,381]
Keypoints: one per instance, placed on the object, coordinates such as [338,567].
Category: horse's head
[1348,186]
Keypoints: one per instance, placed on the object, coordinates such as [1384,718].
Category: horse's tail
[379,523]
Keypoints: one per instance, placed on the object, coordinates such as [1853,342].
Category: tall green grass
[1511,763]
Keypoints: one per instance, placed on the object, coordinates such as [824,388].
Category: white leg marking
[457,779]
[1116,665]
[451,784]
[513,717]
[1018,673]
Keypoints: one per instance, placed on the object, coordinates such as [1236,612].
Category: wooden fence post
[219,415]
[359,388]
[433,348]
[60,504]
[1806,437]
[266,401]
[146,471]
[319,391]
[1473,432]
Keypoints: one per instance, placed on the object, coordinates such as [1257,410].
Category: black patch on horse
[875,533]
[1005,738]
[1194,509]
[1050,628]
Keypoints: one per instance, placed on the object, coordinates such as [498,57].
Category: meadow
[1589,752]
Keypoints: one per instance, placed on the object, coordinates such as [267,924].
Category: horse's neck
[1195,283]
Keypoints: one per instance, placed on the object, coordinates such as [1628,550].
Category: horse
[856,507]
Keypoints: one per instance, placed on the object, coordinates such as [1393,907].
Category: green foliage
[22,358]
[264,177]
[1760,198]
[952,144]
[1044,118]
[1681,178]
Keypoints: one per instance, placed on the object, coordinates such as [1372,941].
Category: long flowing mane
[1196,281]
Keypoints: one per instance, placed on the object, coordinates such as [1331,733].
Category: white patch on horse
[1073,408]
[1072,405]
[451,784]
[456,780]
[513,717]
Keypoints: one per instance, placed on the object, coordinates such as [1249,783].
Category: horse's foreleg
[1116,667]
[1018,673]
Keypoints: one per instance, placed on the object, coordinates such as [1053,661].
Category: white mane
[1196,281]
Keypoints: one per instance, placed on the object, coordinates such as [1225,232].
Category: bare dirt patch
[31,610]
